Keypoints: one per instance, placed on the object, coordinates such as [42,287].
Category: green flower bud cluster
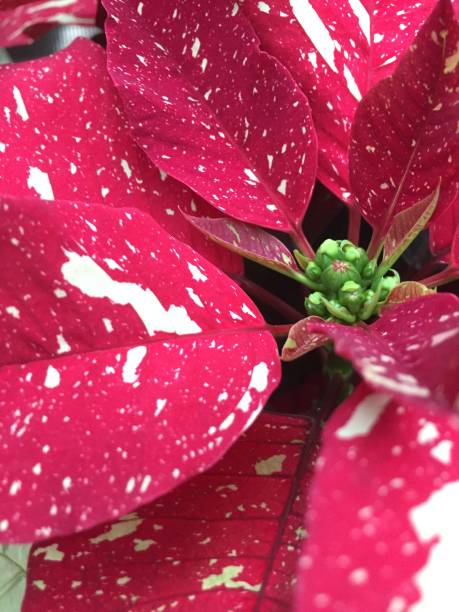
[346,284]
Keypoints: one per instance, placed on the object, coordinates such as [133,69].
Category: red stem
[279,331]
[447,275]
[353,230]
[268,298]
[301,242]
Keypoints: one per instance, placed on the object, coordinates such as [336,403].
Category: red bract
[383,521]
[401,137]
[442,232]
[398,353]
[220,115]
[129,364]
[18,18]
[64,135]
[227,540]
[326,46]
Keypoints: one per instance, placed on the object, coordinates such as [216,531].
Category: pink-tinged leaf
[326,46]
[64,135]
[227,540]
[248,241]
[402,140]
[408,290]
[220,115]
[397,354]
[301,340]
[442,231]
[406,225]
[114,335]
[382,522]
[17,18]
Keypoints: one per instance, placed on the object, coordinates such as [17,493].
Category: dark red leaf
[406,225]
[227,540]
[301,340]
[407,290]
[219,115]
[442,231]
[129,363]
[65,136]
[401,137]
[398,354]
[382,523]
[248,241]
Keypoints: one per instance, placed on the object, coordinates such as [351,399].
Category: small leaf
[301,340]
[389,485]
[403,292]
[13,569]
[249,241]
[227,540]
[405,226]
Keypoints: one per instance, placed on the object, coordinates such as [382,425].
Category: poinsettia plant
[139,467]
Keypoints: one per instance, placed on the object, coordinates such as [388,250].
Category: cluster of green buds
[347,286]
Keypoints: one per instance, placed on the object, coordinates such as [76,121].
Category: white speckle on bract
[126,168]
[175,473]
[442,451]
[269,466]
[364,417]
[428,433]
[443,336]
[316,30]
[142,59]
[60,293]
[263,7]
[226,579]
[140,8]
[13,311]
[63,346]
[196,273]
[53,378]
[282,187]
[252,176]
[15,486]
[118,530]
[435,522]
[67,483]
[84,273]
[73,168]
[195,47]
[196,299]
[130,485]
[37,469]
[160,403]
[247,310]
[104,191]
[112,264]
[227,422]
[134,358]
[2,147]
[107,324]
[50,552]
[40,183]
[20,106]
[374,373]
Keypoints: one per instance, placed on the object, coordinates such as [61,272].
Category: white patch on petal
[364,417]
[196,273]
[40,183]
[53,378]
[427,433]
[63,346]
[84,273]
[160,403]
[20,106]
[315,29]
[362,15]
[442,451]
[134,358]
[435,521]
[351,84]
